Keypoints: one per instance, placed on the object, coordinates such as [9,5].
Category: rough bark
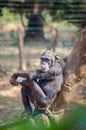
[74,71]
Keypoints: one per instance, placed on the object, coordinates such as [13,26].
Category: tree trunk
[22,64]
[74,71]
[35,27]
[21,18]
[55,39]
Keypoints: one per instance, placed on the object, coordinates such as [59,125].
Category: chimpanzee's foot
[37,111]
[48,113]
[51,116]
[26,115]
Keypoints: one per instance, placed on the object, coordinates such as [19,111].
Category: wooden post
[54,41]
[22,64]
[55,38]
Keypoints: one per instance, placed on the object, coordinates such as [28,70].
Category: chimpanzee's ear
[56,57]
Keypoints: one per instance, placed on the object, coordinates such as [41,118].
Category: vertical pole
[22,64]
[54,38]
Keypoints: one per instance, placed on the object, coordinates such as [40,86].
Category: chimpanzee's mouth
[44,68]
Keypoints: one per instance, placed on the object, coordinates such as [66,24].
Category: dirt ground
[10,100]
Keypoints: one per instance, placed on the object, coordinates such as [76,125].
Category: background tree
[22,63]
[59,10]
[35,26]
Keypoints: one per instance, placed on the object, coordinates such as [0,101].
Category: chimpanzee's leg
[25,92]
[41,100]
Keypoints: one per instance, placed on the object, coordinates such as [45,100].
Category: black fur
[40,87]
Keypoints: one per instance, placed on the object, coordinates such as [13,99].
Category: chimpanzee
[41,86]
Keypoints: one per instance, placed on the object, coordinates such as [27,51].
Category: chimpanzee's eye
[47,59]
[42,59]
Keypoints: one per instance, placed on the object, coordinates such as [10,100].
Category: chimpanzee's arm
[38,74]
[21,74]
[26,75]
[53,71]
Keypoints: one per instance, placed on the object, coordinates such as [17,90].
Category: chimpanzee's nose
[44,63]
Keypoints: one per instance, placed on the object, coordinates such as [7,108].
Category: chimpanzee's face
[45,63]
[48,59]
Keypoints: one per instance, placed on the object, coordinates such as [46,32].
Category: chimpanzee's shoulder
[59,64]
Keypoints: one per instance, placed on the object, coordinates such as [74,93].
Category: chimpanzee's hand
[13,79]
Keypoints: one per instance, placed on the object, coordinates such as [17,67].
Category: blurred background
[27,28]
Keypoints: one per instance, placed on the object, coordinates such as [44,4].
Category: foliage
[66,10]
[9,16]
[52,10]
[66,25]
[62,24]
[76,120]
[59,13]
[46,16]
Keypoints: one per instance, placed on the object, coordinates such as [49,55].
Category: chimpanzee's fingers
[13,82]
[20,79]
[16,84]
[14,76]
